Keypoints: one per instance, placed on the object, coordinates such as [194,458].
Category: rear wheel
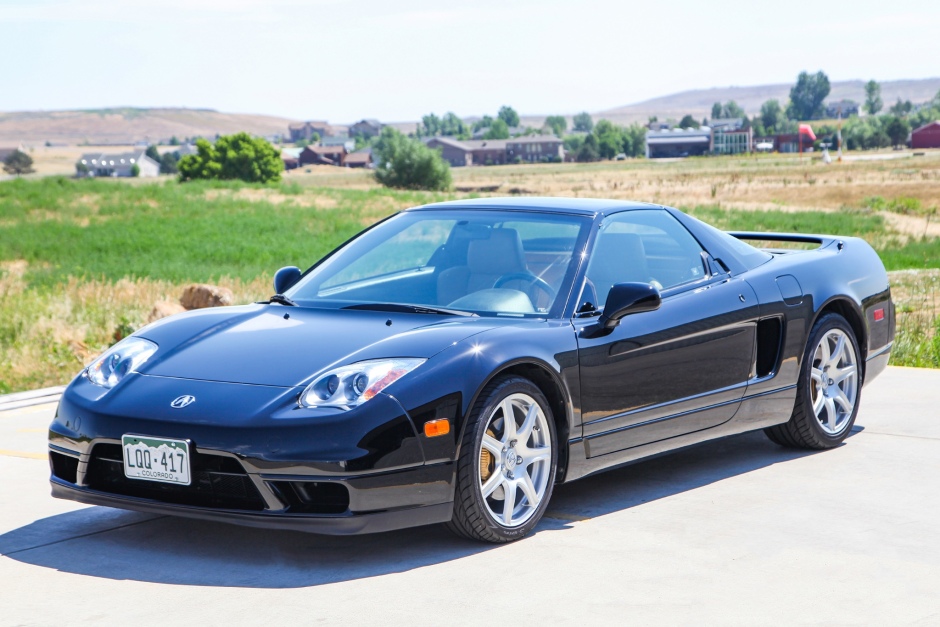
[828,391]
[507,463]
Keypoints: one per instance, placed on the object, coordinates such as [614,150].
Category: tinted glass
[645,246]
[486,262]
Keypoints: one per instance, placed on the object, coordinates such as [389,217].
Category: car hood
[286,346]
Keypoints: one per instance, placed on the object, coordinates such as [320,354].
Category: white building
[122,164]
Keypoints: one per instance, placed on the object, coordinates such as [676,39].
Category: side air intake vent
[769,338]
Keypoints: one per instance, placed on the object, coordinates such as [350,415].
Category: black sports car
[455,361]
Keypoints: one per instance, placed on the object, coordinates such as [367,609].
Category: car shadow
[116,544]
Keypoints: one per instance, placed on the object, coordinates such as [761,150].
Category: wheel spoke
[837,352]
[832,414]
[825,352]
[528,489]
[530,417]
[509,421]
[843,400]
[492,483]
[816,374]
[494,446]
[841,374]
[537,454]
[509,504]
[818,405]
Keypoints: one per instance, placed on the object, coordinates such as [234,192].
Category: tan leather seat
[487,260]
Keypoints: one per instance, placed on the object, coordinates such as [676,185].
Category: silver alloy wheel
[515,460]
[834,381]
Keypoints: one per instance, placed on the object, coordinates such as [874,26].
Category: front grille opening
[769,338]
[313,497]
[217,481]
[64,467]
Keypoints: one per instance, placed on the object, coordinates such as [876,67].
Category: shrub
[406,163]
[233,157]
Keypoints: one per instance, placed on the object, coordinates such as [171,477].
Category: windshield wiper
[280,299]
[404,308]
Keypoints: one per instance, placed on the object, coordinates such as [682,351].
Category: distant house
[305,130]
[927,136]
[535,148]
[323,155]
[845,108]
[487,151]
[366,128]
[454,152]
[790,142]
[116,165]
[291,158]
[359,159]
[727,124]
[339,140]
[659,126]
[731,142]
[187,149]
[678,143]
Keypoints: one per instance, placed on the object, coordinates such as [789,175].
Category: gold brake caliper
[486,460]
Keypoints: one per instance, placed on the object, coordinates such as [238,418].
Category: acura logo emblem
[182,401]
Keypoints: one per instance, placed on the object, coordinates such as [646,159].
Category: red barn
[927,136]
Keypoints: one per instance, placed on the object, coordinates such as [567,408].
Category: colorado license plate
[156,459]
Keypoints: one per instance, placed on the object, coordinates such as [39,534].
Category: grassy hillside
[128,125]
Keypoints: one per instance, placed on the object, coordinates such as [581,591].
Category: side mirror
[285,277]
[628,298]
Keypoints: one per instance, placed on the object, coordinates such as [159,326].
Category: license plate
[156,459]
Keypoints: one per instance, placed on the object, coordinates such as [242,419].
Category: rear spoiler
[821,241]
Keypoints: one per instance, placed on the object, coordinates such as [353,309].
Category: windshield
[512,263]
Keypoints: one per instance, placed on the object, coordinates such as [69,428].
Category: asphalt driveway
[737,531]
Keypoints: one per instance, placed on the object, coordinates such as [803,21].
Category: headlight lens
[124,357]
[351,386]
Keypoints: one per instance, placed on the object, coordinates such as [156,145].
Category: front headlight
[124,357]
[351,386]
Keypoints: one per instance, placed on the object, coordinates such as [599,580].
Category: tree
[508,115]
[771,113]
[609,138]
[233,157]
[153,153]
[897,129]
[497,130]
[807,96]
[135,170]
[688,121]
[168,163]
[452,126]
[174,141]
[873,102]
[430,126]
[484,122]
[634,140]
[588,150]
[901,108]
[716,111]
[407,163]
[18,163]
[583,122]
[557,123]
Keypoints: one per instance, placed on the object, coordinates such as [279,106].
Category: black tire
[472,518]
[803,429]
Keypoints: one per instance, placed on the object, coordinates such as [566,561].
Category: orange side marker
[434,428]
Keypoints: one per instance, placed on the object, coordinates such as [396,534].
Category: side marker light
[434,428]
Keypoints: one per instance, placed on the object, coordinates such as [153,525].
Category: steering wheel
[529,278]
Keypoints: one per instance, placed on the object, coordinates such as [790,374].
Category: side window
[645,246]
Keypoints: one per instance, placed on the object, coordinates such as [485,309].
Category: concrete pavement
[737,531]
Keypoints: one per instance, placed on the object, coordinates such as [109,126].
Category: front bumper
[370,503]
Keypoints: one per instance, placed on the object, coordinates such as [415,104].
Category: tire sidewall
[823,326]
[514,385]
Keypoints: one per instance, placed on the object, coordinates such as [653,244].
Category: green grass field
[83,262]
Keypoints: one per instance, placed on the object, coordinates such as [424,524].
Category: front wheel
[507,463]
[828,391]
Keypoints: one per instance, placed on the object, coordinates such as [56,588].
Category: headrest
[501,254]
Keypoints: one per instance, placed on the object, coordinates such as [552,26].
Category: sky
[396,60]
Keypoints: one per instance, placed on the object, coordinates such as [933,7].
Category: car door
[664,373]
